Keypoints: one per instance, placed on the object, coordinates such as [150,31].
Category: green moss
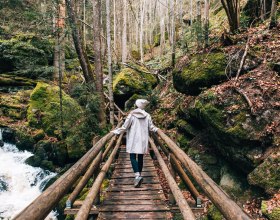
[24,141]
[202,72]
[26,55]
[10,80]
[231,129]
[267,175]
[185,127]
[183,142]
[61,206]
[44,113]
[131,101]
[214,213]
[13,105]
[34,161]
[135,55]
[129,82]
[214,115]
[46,164]
[157,40]
[38,135]
[273,214]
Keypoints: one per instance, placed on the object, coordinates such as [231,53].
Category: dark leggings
[137,165]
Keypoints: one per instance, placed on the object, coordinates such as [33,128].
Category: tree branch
[242,61]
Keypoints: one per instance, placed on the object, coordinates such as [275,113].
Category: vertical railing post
[95,174]
[171,198]
[119,115]
[97,170]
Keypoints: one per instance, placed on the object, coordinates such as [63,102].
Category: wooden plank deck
[124,201]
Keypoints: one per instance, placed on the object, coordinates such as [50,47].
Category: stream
[20,183]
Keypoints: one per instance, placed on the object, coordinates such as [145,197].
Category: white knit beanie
[141,103]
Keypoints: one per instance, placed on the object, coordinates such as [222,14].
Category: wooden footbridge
[121,200]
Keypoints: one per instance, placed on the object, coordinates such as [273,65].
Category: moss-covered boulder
[15,81]
[133,81]
[44,113]
[130,103]
[203,71]
[8,135]
[232,139]
[267,175]
[27,55]
[240,125]
[24,141]
[14,105]
[44,109]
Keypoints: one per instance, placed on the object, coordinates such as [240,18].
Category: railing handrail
[84,211]
[44,203]
[177,166]
[221,200]
[179,197]
[115,105]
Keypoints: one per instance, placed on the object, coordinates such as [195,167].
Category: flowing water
[20,183]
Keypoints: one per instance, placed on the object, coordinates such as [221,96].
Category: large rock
[242,124]
[203,71]
[44,113]
[133,81]
[26,54]
[267,175]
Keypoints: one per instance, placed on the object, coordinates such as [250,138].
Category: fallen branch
[247,99]
[242,61]
[229,63]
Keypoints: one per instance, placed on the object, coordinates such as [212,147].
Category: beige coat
[137,125]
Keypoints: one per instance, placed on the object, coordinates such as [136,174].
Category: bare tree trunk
[59,51]
[84,19]
[124,33]
[191,12]
[273,13]
[115,31]
[150,29]
[97,59]
[162,31]
[143,2]
[206,23]
[84,62]
[172,6]
[110,86]
[232,9]
[198,24]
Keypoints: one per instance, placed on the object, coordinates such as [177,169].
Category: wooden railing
[221,200]
[42,205]
[88,164]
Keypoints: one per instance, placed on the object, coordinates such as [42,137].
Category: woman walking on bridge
[137,125]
